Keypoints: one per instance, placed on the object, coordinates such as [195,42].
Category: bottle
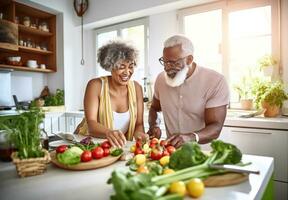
[44,139]
[145,93]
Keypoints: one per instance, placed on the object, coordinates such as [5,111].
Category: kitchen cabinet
[36,38]
[54,122]
[264,142]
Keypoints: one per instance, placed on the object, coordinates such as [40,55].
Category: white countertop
[62,184]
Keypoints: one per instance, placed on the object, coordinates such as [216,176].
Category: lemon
[168,171]
[164,160]
[140,159]
[195,187]
[178,187]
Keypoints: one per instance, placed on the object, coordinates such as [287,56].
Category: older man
[193,99]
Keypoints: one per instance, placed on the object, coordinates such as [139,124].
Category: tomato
[155,154]
[165,153]
[106,152]
[98,153]
[171,149]
[132,148]
[178,188]
[168,171]
[142,169]
[154,141]
[86,156]
[163,143]
[138,151]
[153,145]
[195,187]
[61,148]
[106,144]
[139,144]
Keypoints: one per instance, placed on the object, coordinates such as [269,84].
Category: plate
[57,143]
[93,164]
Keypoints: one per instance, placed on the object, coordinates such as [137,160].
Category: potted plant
[266,64]
[270,96]
[24,132]
[244,89]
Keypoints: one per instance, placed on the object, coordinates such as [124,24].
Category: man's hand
[142,136]
[178,140]
[116,138]
[154,132]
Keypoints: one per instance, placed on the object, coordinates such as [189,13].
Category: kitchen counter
[62,184]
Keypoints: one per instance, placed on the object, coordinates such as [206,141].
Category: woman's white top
[121,121]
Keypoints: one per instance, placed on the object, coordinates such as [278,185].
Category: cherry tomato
[165,153]
[98,153]
[195,187]
[171,149]
[106,152]
[156,154]
[106,144]
[152,145]
[86,156]
[154,141]
[138,151]
[138,143]
[61,148]
[163,143]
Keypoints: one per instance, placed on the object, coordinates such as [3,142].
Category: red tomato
[138,143]
[138,151]
[165,153]
[106,144]
[106,152]
[163,143]
[98,153]
[86,156]
[156,155]
[154,141]
[171,149]
[152,145]
[61,148]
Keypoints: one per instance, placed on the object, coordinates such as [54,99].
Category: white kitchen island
[62,184]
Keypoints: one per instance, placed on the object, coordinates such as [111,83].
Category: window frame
[118,27]
[236,5]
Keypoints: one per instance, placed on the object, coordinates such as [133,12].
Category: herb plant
[266,61]
[55,100]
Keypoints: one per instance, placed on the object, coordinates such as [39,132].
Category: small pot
[246,104]
[271,111]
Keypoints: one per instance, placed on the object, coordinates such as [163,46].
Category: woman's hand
[116,138]
[141,136]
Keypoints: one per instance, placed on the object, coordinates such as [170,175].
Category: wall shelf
[34,31]
[24,68]
[34,50]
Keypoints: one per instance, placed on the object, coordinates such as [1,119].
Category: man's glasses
[176,63]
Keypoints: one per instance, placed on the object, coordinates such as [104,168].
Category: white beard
[178,79]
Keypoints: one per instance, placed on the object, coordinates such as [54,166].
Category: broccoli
[189,155]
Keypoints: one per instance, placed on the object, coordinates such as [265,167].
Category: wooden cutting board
[93,164]
[225,179]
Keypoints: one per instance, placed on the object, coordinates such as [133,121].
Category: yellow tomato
[146,148]
[178,187]
[168,171]
[132,148]
[140,159]
[142,169]
[164,160]
[195,187]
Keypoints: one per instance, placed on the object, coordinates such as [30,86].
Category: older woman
[114,104]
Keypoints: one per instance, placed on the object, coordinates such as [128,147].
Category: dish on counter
[57,143]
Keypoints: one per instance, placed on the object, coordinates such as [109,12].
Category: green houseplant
[24,133]
[270,96]
[266,64]
[244,89]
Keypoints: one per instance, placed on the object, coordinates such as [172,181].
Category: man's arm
[214,120]
[154,121]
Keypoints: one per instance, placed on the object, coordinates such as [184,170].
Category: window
[135,31]
[231,36]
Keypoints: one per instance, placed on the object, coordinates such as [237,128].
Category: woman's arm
[139,127]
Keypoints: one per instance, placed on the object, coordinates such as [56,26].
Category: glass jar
[29,43]
[44,26]
[26,21]
[44,139]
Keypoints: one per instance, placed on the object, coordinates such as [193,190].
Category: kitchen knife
[234,168]
[66,137]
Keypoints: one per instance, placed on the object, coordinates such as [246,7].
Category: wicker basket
[31,166]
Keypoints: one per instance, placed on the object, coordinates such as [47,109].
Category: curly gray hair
[114,52]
